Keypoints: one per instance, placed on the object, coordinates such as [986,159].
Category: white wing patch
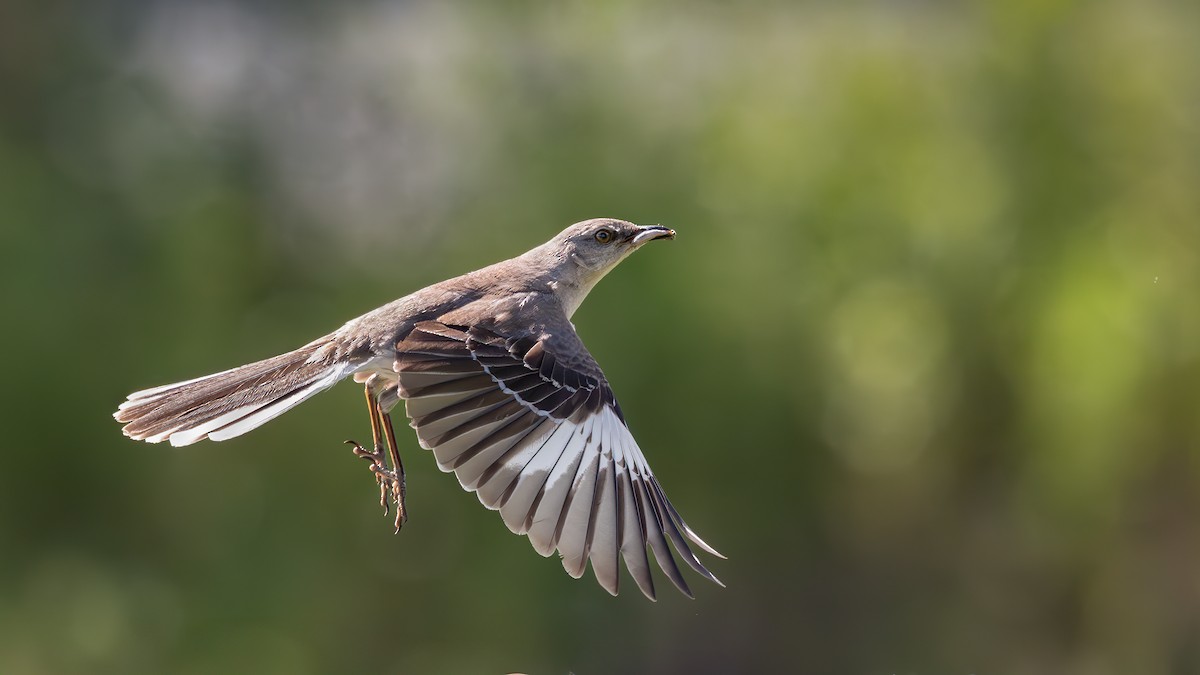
[580,487]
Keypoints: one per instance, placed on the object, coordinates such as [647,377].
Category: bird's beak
[650,232]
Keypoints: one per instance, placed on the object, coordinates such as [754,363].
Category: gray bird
[498,385]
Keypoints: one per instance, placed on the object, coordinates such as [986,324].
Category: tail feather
[232,402]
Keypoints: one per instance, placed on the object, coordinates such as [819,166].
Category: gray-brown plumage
[498,385]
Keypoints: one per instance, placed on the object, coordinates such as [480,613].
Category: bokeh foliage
[924,361]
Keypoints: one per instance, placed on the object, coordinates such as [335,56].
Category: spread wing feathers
[537,435]
[229,403]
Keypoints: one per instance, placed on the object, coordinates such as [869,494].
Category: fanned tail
[230,403]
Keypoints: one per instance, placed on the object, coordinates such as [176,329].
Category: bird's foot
[390,482]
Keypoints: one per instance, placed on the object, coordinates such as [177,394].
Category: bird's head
[586,251]
[597,245]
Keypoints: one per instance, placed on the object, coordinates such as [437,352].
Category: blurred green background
[924,361]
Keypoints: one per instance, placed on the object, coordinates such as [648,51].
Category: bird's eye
[604,235]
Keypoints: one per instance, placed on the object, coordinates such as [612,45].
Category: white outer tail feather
[241,420]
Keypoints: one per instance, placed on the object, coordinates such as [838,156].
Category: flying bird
[497,383]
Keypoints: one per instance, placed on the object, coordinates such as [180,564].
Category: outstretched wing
[528,423]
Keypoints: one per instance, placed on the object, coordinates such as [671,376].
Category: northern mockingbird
[498,385]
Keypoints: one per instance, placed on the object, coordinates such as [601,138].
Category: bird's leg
[389,480]
[375,455]
[399,487]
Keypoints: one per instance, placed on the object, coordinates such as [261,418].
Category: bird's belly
[378,365]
